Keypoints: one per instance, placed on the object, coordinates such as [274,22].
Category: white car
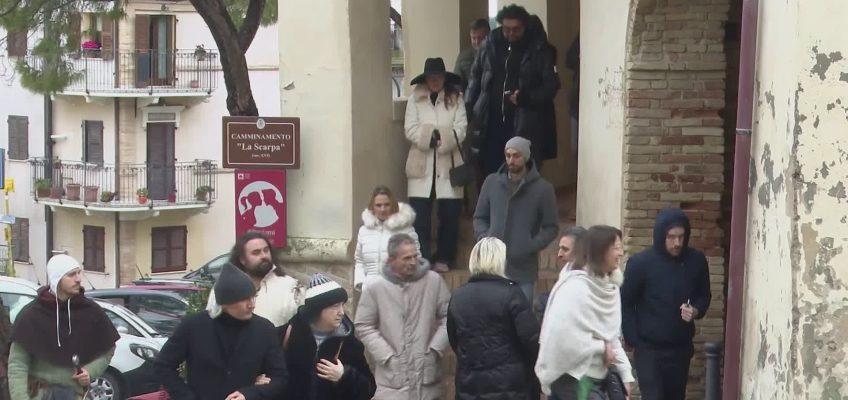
[130,372]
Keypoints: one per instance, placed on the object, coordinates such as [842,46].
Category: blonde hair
[488,257]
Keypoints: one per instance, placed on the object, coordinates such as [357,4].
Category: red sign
[261,204]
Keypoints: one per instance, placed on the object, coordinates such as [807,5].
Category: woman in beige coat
[435,126]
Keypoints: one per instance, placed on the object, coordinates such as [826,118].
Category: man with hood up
[325,359]
[666,288]
[62,341]
[402,320]
[518,206]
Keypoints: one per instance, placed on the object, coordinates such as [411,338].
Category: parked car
[130,372]
[184,291]
[161,310]
[207,273]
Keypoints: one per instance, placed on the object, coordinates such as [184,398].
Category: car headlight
[143,352]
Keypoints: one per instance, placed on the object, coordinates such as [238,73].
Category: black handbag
[614,386]
[462,175]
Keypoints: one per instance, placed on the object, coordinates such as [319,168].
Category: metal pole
[713,379]
[10,268]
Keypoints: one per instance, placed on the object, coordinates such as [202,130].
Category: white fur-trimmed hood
[405,217]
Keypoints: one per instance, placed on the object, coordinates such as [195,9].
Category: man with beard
[62,341]
[225,354]
[512,89]
[518,206]
[278,295]
[666,288]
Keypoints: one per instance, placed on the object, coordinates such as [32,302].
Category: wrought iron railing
[124,185]
[150,71]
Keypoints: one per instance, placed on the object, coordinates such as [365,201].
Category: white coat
[277,299]
[422,117]
[373,239]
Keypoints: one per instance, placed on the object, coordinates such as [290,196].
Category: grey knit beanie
[233,286]
[520,144]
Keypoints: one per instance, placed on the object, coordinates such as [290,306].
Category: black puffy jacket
[495,336]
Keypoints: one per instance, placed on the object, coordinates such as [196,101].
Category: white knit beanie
[59,266]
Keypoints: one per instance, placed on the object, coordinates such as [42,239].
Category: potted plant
[194,83]
[172,197]
[73,191]
[200,52]
[202,193]
[90,193]
[142,195]
[56,192]
[90,48]
[42,187]
[106,196]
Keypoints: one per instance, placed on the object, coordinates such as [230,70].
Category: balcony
[140,73]
[125,188]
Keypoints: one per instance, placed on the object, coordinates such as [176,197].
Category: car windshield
[14,303]
[213,268]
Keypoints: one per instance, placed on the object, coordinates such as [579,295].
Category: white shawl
[583,312]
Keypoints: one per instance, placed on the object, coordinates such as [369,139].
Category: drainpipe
[117,182]
[48,156]
[739,213]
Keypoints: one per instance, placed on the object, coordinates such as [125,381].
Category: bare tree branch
[251,23]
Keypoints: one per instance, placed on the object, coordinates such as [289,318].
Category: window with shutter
[16,43]
[18,137]
[169,248]
[94,248]
[107,42]
[93,151]
[20,240]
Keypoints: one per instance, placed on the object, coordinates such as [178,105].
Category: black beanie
[321,293]
[233,286]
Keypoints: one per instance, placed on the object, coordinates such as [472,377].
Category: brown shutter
[75,31]
[107,45]
[94,142]
[142,51]
[16,43]
[18,137]
[20,240]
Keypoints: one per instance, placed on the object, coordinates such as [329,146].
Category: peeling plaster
[837,192]
[824,61]
[770,101]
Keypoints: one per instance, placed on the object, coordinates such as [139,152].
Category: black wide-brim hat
[436,66]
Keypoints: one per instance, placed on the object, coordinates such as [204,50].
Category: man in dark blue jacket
[666,288]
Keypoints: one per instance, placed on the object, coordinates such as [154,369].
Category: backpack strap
[286,338]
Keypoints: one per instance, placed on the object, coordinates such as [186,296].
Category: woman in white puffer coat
[383,218]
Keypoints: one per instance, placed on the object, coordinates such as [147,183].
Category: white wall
[15,100]
[599,183]
[795,314]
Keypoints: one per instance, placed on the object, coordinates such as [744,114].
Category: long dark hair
[238,250]
[593,247]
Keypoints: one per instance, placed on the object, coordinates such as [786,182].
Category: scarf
[583,312]
[55,331]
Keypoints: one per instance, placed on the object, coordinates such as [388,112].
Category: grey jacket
[463,65]
[526,220]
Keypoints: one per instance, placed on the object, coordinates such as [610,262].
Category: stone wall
[674,136]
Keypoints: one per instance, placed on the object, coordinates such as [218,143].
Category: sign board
[261,204]
[7,219]
[261,142]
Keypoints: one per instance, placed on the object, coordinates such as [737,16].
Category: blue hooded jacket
[656,284]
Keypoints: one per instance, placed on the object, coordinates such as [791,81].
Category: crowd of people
[264,335]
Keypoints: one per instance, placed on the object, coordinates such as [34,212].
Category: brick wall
[675,137]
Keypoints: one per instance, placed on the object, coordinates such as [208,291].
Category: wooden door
[161,168]
[155,52]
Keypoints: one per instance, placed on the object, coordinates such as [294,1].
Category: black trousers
[448,234]
[565,388]
[663,372]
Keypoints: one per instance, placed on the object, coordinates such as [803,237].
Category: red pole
[739,213]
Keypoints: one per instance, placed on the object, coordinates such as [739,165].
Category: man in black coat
[513,84]
[666,288]
[324,357]
[224,356]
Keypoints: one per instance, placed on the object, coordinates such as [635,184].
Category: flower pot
[73,192]
[42,192]
[195,84]
[172,197]
[90,195]
[142,199]
[56,193]
[204,196]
